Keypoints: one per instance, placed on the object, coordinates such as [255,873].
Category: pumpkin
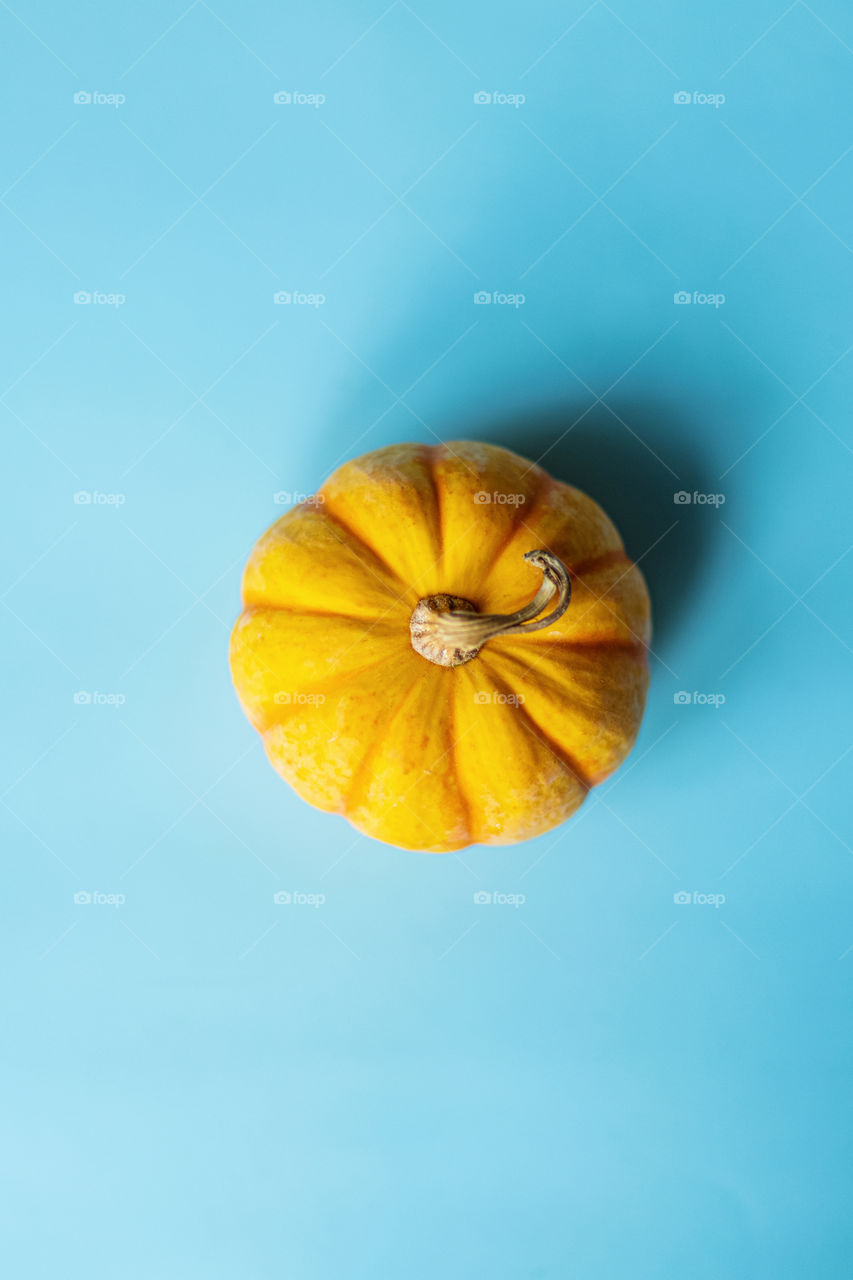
[444,645]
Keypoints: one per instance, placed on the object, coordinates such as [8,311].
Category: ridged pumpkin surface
[422,756]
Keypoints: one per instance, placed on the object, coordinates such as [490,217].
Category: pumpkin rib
[432,455]
[389,503]
[464,802]
[335,519]
[602,599]
[250,611]
[557,750]
[237,640]
[332,683]
[304,613]
[534,666]
[361,809]
[614,608]
[362,766]
[608,644]
[596,563]
[565,757]
[543,481]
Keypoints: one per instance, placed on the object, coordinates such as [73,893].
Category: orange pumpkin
[445,645]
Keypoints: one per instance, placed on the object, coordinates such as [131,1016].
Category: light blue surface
[601,1082]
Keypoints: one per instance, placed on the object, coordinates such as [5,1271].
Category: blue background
[602,1081]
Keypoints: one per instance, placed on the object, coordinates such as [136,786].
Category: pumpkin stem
[449,631]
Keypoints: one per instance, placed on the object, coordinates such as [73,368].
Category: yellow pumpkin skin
[426,757]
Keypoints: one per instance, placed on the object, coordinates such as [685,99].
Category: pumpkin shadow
[633,461]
